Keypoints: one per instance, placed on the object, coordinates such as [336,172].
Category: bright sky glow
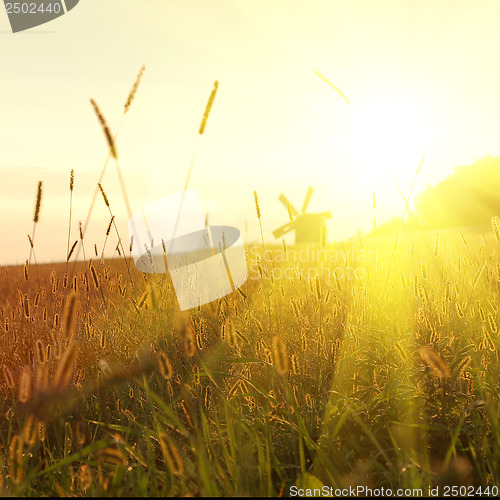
[419,75]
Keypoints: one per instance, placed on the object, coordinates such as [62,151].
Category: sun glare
[390,136]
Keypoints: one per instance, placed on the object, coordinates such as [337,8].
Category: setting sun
[390,136]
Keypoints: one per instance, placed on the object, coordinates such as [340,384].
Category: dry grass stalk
[434,361]
[25,383]
[26,304]
[107,132]
[105,198]
[8,377]
[72,250]
[85,478]
[279,355]
[30,431]
[64,371]
[40,352]
[495,223]
[170,454]
[478,275]
[15,459]
[208,108]
[69,316]
[133,90]
[109,226]
[165,366]
[257,207]
[38,203]
[94,276]
[42,435]
[189,340]
[463,365]
[334,87]
[112,456]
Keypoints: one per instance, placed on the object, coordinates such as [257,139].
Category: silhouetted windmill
[307,227]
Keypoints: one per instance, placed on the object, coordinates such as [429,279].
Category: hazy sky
[419,75]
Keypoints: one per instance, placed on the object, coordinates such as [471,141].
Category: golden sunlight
[390,135]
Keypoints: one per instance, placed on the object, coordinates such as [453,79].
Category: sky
[420,77]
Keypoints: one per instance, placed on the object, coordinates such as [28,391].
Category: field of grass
[372,363]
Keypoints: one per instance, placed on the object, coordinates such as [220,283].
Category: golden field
[373,362]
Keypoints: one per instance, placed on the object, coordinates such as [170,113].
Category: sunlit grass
[303,374]
[372,362]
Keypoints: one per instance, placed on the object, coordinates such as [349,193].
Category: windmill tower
[307,226]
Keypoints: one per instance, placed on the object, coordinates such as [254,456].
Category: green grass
[358,405]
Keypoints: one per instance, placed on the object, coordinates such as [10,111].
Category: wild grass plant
[376,365]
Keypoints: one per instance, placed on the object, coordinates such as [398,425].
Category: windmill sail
[287,204]
[310,192]
[325,215]
[283,229]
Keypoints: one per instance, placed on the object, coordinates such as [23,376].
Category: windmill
[307,226]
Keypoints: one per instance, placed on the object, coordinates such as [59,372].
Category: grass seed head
[280,357]
[107,132]
[133,90]
[257,207]
[434,361]
[65,368]
[170,454]
[208,108]
[25,383]
[38,202]
[8,377]
[165,366]
[495,223]
[70,315]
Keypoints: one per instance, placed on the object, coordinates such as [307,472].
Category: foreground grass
[310,376]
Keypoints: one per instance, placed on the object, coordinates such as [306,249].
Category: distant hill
[469,196]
